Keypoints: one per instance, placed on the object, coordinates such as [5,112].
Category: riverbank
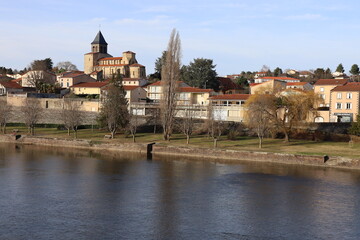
[203,153]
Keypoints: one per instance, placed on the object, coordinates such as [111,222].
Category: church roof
[99,39]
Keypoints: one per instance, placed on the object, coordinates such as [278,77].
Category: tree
[114,113]
[277,72]
[5,114]
[200,73]
[71,116]
[265,68]
[31,113]
[41,81]
[340,68]
[45,64]
[170,76]
[242,81]
[354,69]
[66,66]
[257,115]
[187,124]
[355,127]
[320,73]
[215,124]
[133,123]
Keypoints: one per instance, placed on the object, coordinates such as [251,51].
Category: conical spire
[99,39]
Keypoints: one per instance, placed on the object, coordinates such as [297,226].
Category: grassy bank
[241,143]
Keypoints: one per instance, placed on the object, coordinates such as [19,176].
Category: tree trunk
[133,138]
[260,142]
[154,128]
[215,142]
[75,133]
[112,134]
[68,131]
[286,139]
[187,139]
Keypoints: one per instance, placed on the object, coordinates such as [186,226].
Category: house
[229,107]
[260,74]
[191,95]
[74,78]
[271,86]
[305,74]
[154,90]
[344,102]
[300,85]
[10,87]
[285,79]
[30,78]
[323,87]
[134,82]
[88,88]
[292,72]
[134,94]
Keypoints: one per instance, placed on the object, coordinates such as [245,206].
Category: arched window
[319,119]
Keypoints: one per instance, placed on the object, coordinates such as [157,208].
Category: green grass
[241,143]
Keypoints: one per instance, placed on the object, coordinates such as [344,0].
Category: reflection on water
[49,193]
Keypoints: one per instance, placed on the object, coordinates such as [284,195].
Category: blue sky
[237,35]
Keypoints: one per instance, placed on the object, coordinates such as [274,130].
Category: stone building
[99,60]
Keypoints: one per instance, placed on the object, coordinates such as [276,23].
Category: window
[321,89]
[339,95]
[322,96]
[348,95]
[338,106]
[348,105]
[67,84]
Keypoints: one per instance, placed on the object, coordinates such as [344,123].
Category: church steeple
[99,44]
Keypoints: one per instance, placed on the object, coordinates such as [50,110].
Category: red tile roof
[11,84]
[130,88]
[194,90]
[136,65]
[231,97]
[331,82]
[158,83]
[111,65]
[280,78]
[16,80]
[296,83]
[351,87]
[110,58]
[72,75]
[254,84]
[91,84]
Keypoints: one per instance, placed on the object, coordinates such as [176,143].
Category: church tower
[98,51]
[99,45]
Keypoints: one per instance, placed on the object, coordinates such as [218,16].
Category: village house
[300,85]
[28,79]
[229,107]
[74,78]
[154,90]
[285,79]
[10,87]
[344,102]
[88,88]
[271,86]
[323,87]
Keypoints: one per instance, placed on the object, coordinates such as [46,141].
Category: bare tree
[40,80]
[114,113]
[188,122]
[257,115]
[133,123]
[5,114]
[71,116]
[170,76]
[66,66]
[31,111]
[215,125]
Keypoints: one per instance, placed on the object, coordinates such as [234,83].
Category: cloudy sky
[237,35]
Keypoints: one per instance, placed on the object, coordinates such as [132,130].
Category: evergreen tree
[354,69]
[200,73]
[340,68]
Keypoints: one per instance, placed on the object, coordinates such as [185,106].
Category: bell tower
[99,45]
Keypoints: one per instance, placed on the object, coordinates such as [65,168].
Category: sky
[238,35]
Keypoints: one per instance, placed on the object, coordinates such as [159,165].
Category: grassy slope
[242,143]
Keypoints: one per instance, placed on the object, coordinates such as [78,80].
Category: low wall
[75,143]
[207,153]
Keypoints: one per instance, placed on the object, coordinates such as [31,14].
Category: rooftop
[331,82]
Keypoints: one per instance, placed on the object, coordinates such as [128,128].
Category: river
[49,193]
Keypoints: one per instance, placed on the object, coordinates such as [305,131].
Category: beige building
[99,60]
[89,88]
[28,79]
[271,86]
[70,79]
[299,85]
[229,107]
[154,90]
[344,103]
[323,87]
[285,79]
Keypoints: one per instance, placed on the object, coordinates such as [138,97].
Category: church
[98,60]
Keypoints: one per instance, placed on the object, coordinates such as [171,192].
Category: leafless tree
[31,111]
[66,66]
[215,124]
[133,123]
[188,122]
[71,116]
[170,76]
[5,114]
[40,81]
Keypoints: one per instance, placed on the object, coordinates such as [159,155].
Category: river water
[48,193]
